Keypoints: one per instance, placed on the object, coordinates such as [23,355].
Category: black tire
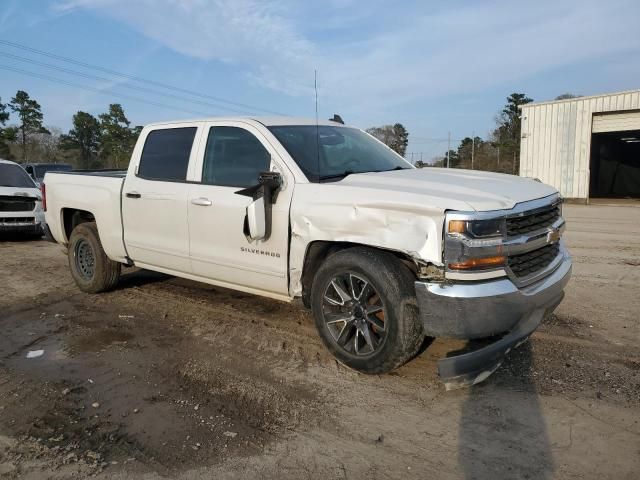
[95,273]
[393,283]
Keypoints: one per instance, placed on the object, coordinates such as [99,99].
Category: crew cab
[384,254]
[20,206]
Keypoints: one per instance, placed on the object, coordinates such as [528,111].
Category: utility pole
[498,157]
[473,147]
[448,148]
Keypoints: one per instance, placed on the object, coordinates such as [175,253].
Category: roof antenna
[315,87]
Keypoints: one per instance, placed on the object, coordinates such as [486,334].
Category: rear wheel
[364,307]
[90,267]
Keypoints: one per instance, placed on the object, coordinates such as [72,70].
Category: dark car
[37,170]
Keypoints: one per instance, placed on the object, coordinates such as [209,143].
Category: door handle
[133,195]
[203,202]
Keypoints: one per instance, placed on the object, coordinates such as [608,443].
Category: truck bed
[97,192]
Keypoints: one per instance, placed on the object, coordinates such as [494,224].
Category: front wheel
[90,267]
[364,306]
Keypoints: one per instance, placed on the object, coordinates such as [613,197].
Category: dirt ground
[170,378]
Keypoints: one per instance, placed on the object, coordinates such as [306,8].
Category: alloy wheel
[354,314]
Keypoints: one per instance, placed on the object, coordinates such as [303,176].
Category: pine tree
[30,115]
[395,136]
[4,116]
[507,134]
[83,137]
[400,139]
[117,139]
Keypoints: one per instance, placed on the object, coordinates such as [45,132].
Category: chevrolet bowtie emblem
[553,236]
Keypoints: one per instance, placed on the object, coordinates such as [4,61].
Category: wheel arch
[317,251]
[72,217]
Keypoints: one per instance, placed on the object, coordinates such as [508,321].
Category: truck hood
[454,189]
[20,192]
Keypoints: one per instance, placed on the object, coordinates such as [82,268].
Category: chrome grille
[535,220]
[529,263]
[17,204]
[7,222]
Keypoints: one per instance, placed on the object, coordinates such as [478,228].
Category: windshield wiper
[349,172]
[335,175]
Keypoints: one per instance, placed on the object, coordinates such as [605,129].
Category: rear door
[232,156]
[154,200]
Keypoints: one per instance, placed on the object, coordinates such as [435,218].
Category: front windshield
[14,176]
[40,170]
[342,151]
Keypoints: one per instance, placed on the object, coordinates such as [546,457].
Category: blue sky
[434,66]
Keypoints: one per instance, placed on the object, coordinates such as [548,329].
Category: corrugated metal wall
[556,139]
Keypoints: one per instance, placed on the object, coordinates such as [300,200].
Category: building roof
[588,97]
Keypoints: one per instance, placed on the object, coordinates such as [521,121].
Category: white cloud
[247,33]
[381,53]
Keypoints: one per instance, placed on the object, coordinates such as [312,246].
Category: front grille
[17,204]
[529,263]
[16,220]
[530,222]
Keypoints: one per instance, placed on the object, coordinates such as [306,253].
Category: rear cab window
[165,155]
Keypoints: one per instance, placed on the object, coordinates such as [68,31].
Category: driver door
[231,157]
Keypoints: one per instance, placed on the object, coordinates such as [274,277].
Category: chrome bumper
[485,309]
[26,225]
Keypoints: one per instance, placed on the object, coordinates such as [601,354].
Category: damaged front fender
[376,218]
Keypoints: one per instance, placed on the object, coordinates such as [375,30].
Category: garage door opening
[615,164]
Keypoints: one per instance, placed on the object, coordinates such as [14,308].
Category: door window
[165,155]
[234,157]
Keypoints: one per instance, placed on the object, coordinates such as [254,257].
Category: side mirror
[257,222]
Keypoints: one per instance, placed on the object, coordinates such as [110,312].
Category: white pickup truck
[384,254]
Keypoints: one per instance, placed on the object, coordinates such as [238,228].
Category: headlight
[474,244]
[477,228]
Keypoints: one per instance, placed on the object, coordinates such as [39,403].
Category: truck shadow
[19,237]
[139,278]
[502,429]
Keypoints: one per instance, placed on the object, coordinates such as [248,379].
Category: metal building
[586,147]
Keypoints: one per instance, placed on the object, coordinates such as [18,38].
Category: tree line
[500,152]
[105,141]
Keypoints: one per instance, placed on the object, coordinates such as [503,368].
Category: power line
[104,79]
[430,140]
[97,90]
[133,77]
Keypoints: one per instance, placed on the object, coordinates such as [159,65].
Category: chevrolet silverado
[384,254]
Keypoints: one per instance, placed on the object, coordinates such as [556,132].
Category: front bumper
[20,225]
[485,309]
